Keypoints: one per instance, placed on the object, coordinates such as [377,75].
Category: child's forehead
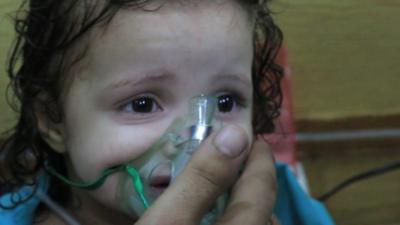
[135,37]
[190,18]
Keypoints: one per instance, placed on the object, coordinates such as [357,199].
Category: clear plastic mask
[167,157]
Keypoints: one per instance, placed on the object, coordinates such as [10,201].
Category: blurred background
[342,107]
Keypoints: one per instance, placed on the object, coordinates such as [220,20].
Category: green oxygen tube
[96,183]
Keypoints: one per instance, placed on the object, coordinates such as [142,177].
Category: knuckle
[206,177]
[269,178]
[261,144]
[266,179]
[273,188]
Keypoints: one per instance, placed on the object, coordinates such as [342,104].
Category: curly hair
[46,31]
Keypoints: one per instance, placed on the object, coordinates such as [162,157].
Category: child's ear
[54,138]
[52,133]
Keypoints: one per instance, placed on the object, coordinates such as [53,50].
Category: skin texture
[169,55]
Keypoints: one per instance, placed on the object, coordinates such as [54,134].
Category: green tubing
[137,183]
[132,172]
[86,185]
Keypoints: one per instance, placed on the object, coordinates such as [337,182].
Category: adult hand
[211,170]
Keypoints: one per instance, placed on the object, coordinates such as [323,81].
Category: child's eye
[226,103]
[141,105]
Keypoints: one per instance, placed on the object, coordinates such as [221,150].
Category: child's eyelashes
[141,105]
[230,103]
[226,103]
[148,106]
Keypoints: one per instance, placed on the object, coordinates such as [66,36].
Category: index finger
[253,195]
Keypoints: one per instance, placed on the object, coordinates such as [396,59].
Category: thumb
[211,170]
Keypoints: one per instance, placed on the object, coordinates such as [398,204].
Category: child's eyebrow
[233,78]
[168,78]
[148,78]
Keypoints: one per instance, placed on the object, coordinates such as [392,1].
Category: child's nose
[170,149]
[175,139]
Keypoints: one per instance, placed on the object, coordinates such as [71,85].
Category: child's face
[139,75]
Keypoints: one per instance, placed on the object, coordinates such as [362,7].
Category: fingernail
[231,141]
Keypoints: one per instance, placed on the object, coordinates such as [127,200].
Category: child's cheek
[91,155]
[108,193]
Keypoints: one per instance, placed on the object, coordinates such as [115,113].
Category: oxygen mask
[161,164]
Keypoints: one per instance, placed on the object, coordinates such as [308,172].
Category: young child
[99,81]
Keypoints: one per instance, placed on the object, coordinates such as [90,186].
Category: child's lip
[160,183]
[160,178]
